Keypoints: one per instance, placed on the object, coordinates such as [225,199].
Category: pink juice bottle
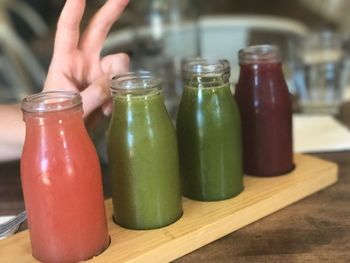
[61,180]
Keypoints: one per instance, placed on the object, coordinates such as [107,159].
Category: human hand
[76,63]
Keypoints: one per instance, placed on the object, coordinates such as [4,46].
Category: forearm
[12,130]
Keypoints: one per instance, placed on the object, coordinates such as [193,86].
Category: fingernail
[107,110]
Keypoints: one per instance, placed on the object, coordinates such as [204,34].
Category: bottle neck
[259,54]
[209,81]
[203,73]
[52,107]
[205,82]
[51,101]
[264,77]
[137,94]
[54,118]
[261,68]
[138,107]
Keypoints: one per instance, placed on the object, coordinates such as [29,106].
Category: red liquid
[266,115]
[62,188]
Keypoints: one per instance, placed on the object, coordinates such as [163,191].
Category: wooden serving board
[202,222]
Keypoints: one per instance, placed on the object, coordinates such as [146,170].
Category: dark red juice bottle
[265,106]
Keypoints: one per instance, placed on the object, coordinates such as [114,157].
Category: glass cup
[321,76]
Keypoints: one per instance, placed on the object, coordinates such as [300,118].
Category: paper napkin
[319,134]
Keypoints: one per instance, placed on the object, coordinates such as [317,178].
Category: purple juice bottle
[265,106]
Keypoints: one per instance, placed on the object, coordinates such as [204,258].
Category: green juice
[209,136]
[143,159]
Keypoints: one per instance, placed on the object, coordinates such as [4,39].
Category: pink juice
[62,188]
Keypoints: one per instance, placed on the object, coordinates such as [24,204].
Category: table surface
[315,229]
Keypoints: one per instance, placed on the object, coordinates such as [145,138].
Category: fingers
[67,33]
[98,94]
[112,65]
[115,64]
[95,95]
[98,28]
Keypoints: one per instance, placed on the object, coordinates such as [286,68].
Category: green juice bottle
[143,155]
[209,134]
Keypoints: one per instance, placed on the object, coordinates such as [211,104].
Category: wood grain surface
[203,222]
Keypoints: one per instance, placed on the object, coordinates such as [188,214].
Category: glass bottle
[61,180]
[265,105]
[209,133]
[322,75]
[143,155]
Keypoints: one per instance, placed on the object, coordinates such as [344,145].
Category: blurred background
[158,34]
[313,36]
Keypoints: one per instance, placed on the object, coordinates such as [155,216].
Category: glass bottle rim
[205,67]
[135,83]
[259,54]
[51,101]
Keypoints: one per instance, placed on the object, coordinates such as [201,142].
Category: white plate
[3,219]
